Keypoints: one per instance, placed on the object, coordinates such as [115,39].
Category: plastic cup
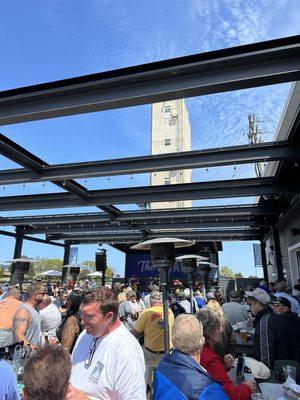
[243,335]
[289,371]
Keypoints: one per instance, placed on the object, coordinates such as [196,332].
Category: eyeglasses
[90,356]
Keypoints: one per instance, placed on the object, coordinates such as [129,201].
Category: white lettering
[146,265]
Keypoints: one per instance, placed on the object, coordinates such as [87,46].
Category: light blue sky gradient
[45,41]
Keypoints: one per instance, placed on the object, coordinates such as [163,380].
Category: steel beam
[258,64]
[160,193]
[31,238]
[155,225]
[135,237]
[247,210]
[35,165]
[261,152]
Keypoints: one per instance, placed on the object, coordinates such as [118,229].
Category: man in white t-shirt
[107,361]
[50,317]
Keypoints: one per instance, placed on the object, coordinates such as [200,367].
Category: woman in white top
[129,310]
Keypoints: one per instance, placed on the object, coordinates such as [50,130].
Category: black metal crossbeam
[247,210]
[258,64]
[187,191]
[35,166]
[153,225]
[233,234]
[31,238]
[261,152]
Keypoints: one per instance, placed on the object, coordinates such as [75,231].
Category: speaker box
[100,261]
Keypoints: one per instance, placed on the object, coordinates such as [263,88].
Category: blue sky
[44,41]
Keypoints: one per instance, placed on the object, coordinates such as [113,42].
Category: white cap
[260,295]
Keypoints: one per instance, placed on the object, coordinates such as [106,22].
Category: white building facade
[170,133]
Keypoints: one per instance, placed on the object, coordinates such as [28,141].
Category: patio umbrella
[22,260]
[96,274]
[51,272]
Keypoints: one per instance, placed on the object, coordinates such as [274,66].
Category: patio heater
[205,267]
[19,267]
[163,258]
[189,266]
[74,270]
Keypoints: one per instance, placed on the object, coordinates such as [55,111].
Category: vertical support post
[65,262]
[278,254]
[164,287]
[264,260]
[103,277]
[190,280]
[14,277]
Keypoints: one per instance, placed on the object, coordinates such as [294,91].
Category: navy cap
[282,300]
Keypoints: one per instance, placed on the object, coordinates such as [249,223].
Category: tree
[226,272]
[90,264]
[238,275]
[109,272]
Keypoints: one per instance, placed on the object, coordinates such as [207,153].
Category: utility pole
[254,137]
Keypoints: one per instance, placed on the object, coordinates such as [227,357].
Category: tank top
[33,331]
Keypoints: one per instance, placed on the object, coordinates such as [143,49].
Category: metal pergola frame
[241,67]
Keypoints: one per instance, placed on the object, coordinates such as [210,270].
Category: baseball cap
[282,300]
[260,295]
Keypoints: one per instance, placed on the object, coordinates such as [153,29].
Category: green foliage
[226,272]
[89,263]
[45,264]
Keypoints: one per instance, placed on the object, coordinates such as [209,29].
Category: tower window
[167,142]
[167,181]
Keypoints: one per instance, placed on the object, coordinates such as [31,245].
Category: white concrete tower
[171,133]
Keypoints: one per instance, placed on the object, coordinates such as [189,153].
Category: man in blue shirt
[179,375]
[8,382]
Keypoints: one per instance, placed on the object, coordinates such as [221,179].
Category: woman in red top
[212,331]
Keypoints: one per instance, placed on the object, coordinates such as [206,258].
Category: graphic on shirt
[95,375]
[154,316]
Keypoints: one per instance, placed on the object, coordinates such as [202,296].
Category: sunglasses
[91,353]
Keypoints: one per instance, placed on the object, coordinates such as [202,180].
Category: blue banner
[73,255]
[140,266]
[257,255]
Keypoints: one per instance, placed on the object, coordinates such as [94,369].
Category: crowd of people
[89,342]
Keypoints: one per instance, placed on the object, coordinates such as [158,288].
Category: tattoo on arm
[21,321]
[20,324]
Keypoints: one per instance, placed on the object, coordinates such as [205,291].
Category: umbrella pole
[191,292]
[164,287]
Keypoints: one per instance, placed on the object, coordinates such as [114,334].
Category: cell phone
[240,367]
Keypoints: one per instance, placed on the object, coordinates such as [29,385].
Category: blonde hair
[215,307]
[121,297]
[187,334]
